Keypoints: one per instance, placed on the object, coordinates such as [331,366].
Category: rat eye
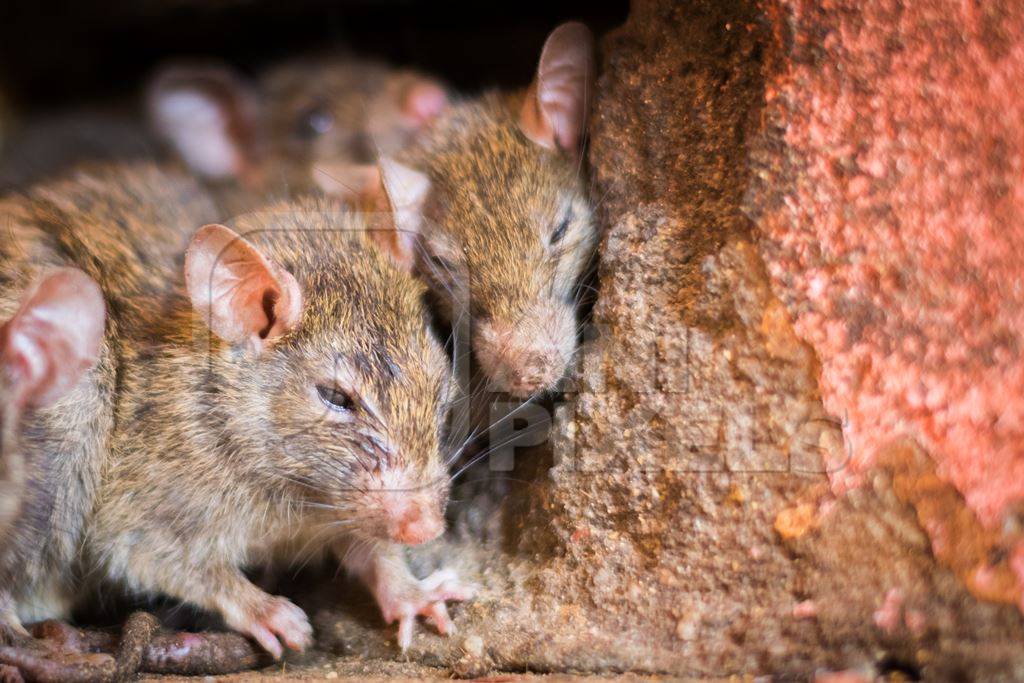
[440,264]
[314,122]
[336,399]
[559,232]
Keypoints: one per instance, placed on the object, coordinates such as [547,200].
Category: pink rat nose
[415,524]
[539,370]
[529,353]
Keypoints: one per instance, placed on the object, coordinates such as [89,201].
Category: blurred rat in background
[279,391]
[306,125]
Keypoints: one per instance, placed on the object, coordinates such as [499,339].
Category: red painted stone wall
[889,196]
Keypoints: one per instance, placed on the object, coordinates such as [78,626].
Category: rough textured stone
[889,200]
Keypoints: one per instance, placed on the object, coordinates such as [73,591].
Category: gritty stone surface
[889,203]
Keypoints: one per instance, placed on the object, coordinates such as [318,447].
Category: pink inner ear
[424,101]
[405,192]
[558,102]
[54,337]
[245,297]
[209,116]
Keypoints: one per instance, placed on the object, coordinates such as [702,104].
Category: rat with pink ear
[311,123]
[47,344]
[268,386]
[492,210]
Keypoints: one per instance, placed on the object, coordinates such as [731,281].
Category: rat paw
[278,621]
[402,600]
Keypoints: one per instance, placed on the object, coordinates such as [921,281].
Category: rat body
[283,390]
[46,345]
[310,124]
[493,211]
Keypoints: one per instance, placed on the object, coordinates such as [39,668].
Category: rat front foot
[402,598]
[273,621]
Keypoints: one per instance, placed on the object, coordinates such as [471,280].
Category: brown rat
[493,209]
[47,344]
[281,390]
[314,122]
[309,123]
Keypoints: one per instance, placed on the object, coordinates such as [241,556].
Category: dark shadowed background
[57,52]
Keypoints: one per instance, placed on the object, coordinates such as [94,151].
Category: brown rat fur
[184,457]
[339,110]
[313,123]
[501,211]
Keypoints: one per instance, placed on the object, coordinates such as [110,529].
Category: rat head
[45,347]
[310,122]
[497,203]
[333,369]
[334,116]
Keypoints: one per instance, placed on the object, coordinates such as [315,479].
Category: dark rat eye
[440,264]
[314,122]
[559,232]
[336,399]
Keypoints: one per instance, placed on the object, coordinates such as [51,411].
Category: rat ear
[244,297]
[355,184]
[208,115]
[405,190]
[53,338]
[557,104]
[423,101]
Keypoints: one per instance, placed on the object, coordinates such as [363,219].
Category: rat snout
[414,521]
[407,504]
[530,355]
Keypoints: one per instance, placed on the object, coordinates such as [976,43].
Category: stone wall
[791,193]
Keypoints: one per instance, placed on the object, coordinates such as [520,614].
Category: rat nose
[540,369]
[528,354]
[416,524]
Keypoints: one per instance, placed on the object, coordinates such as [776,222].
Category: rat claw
[438,579]
[406,626]
[278,621]
[289,622]
[13,633]
[267,640]
[438,613]
[406,598]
